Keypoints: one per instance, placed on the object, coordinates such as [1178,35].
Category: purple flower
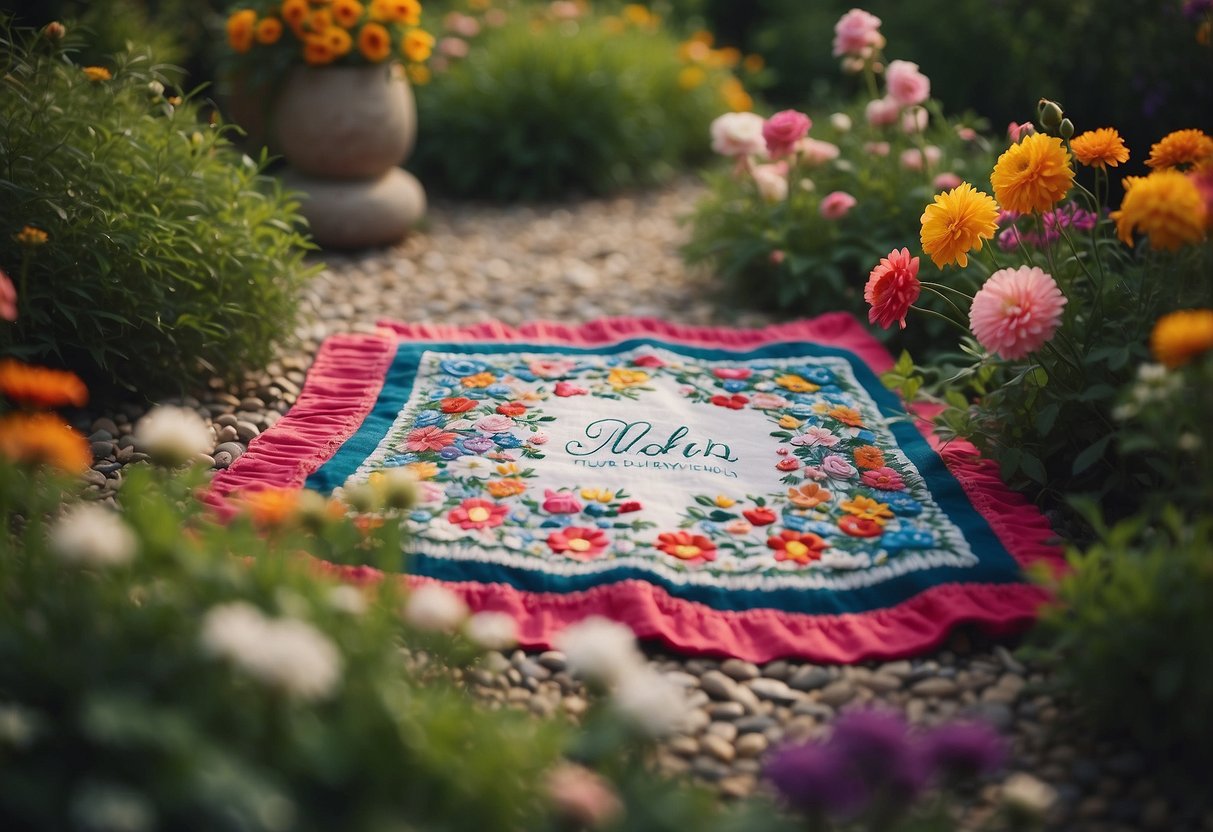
[965,749]
[479,444]
[810,779]
[877,745]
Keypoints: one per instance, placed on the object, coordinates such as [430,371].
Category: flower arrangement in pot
[332,79]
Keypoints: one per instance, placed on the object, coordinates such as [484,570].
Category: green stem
[941,316]
[936,287]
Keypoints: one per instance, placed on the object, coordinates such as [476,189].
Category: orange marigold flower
[956,223]
[1181,336]
[271,507]
[735,97]
[347,12]
[1183,148]
[269,30]
[847,415]
[1166,206]
[317,52]
[320,20]
[375,44]
[1202,178]
[506,488]
[31,237]
[43,439]
[479,379]
[40,386]
[294,12]
[241,26]
[1032,175]
[686,546]
[1102,148]
[338,40]
[97,73]
[869,456]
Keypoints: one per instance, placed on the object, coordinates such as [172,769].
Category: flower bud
[54,31]
[1067,128]
[1049,115]
[155,88]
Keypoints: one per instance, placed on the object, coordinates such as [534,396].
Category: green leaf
[1091,454]
[1047,417]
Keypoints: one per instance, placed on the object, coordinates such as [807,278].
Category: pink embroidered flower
[814,152]
[946,181]
[647,361]
[738,134]
[564,389]
[906,84]
[560,502]
[733,373]
[739,527]
[538,438]
[511,409]
[789,463]
[892,287]
[494,423]
[814,472]
[733,402]
[836,205]
[431,492]
[782,130]
[857,33]
[551,367]
[8,298]
[578,542]
[881,112]
[877,148]
[772,181]
[886,479]
[475,513]
[1016,312]
[837,468]
[816,436]
[768,401]
[429,439]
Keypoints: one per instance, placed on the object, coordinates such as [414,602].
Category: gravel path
[587,259]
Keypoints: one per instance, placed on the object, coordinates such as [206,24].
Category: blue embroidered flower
[901,503]
[420,516]
[595,509]
[803,398]
[802,524]
[795,522]
[523,374]
[476,444]
[817,375]
[520,515]
[837,398]
[708,527]
[907,539]
[463,366]
[427,418]
[866,436]
[735,386]
[507,440]
[558,521]
[440,393]
[476,394]
[456,492]
[603,524]
[446,381]
[830,389]
[803,411]
[498,391]
[451,452]
[396,460]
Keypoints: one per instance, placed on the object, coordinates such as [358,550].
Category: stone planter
[344,131]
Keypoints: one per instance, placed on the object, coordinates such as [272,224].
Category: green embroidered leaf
[781,434]
[705,501]
[719,516]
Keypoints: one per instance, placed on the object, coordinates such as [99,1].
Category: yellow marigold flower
[240,28]
[956,223]
[269,30]
[637,14]
[723,501]
[735,97]
[316,51]
[867,508]
[43,439]
[422,470]
[417,45]
[1181,336]
[375,44]
[418,74]
[690,77]
[295,12]
[96,74]
[1182,148]
[272,507]
[728,56]
[383,10]
[620,377]
[796,384]
[1102,148]
[407,12]
[1032,175]
[338,40]
[1166,206]
[31,237]
[40,386]
[693,51]
[753,63]
[347,13]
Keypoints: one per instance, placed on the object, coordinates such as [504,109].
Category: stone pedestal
[358,213]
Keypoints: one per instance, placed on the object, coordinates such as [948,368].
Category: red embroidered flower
[560,502]
[578,542]
[564,389]
[788,463]
[512,409]
[886,479]
[794,546]
[860,526]
[475,513]
[647,361]
[760,516]
[458,404]
[734,402]
[429,439]
[732,373]
[629,506]
[691,548]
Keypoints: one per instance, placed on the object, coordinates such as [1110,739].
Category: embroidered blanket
[754,493]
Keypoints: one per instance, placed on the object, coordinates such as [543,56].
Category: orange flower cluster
[39,386]
[43,439]
[702,59]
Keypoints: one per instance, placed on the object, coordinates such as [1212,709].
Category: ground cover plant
[149,253]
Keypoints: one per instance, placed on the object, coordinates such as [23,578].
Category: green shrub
[541,108]
[169,256]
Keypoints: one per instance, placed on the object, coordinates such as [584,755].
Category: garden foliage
[164,256]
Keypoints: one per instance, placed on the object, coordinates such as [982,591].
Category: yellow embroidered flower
[506,488]
[597,495]
[1166,206]
[796,384]
[956,223]
[31,237]
[96,74]
[1181,149]
[1102,148]
[1181,336]
[621,377]
[478,380]
[417,45]
[374,43]
[1032,175]
[269,30]
[422,470]
[723,501]
[867,508]
[847,415]
[789,422]
[821,407]
[507,469]
[347,13]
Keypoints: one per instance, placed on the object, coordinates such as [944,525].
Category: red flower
[629,506]
[475,513]
[578,542]
[512,409]
[732,373]
[459,404]
[860,526]
[734,402]
[794,546]
[892,287]
[564,389]
[760,516]
[691,548]
[789,463]
[429,439]
[647,361]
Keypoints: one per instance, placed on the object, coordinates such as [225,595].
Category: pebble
[838,693]
[234,449]
[725,730]
[774,690]
[755,724]
[740,670]
[810,678]
[751,745]
[247,431]
[934,687]
[726,710]
[718,747]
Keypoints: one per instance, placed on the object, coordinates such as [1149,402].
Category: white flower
[738,134]
[651,701]
[432,607]
[472,466]
[173,435]
[285,653]
[600,649]
[492,630]
[347,599]
[90,535]
[18,725]
[458,424]
[841,122]
[772,183]
[1026,794]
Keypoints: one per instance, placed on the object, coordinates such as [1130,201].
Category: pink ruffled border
[345,382]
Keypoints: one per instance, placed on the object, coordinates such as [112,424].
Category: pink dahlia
[857,33]
[1016,312]
[782,130]
[836,205]
[892,286]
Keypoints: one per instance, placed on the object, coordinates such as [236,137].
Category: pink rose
[881,112]
[453,47]
[915,159]
[771,181]
[885,479]
[906,85]
[564,389]
[539,438]
[814,152]
[1015,132]
[913,120]
[738,134]
[782,130]
[837,205]
[837,468]
[560,502]
[551,368]
[733,373]
[877,148]
[494,423]
[816,436]
[739,527]
[813,472]
[777,256]
[857,33]
[768,401]
[967,134]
